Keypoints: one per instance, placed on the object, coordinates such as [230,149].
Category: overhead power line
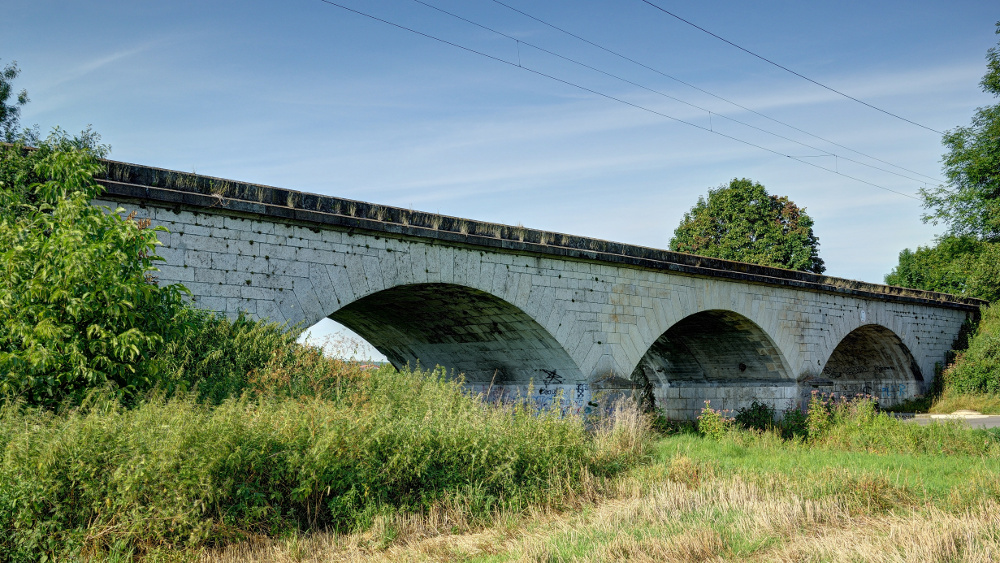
[786,69]
[710,113]
[608,96]
[716,96]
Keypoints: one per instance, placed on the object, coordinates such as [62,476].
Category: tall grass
[854,424]
[836,422]
[715,500]
[848,484]
[176,473]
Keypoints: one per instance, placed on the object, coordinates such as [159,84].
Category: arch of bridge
[466,330]
[714,347]
[871,360]
[481,302]
[687,302]
[898,326]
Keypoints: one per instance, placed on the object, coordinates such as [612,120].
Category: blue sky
[308,96]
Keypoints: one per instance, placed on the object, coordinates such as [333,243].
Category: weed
[759,416]
[713,423]
[794,424]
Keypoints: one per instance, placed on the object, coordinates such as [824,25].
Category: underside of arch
[717,356]
[872,360]
[713,347]
[469,331]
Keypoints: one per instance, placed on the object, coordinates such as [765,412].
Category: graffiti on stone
[569,399]
[551,377]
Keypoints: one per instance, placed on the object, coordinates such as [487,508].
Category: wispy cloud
[915,82]
[83,69]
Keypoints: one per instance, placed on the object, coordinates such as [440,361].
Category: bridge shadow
[717,356]
[871,360]
[460,328]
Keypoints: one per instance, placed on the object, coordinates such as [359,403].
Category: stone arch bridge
[511,307]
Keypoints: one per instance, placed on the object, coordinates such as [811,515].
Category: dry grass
[660,516]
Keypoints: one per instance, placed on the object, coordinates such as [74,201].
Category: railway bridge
[521,311]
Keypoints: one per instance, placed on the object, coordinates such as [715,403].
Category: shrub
[713,423]
[221,357]
[977,369]
[758,416]
[794,424]
[78,309]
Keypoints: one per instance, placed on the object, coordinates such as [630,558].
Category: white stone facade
[595,320]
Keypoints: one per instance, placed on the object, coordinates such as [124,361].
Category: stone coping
[173,188]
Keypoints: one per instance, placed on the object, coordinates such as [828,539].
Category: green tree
[10,113]
[970,203]
[966,260]
[78,308]
[741,221]
[960,265]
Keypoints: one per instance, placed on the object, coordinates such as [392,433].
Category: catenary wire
[712,94]
[606,96]
[786,69]
[520,42]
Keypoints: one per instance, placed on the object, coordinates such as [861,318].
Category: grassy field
[311,458]
[387,466]
[747,496]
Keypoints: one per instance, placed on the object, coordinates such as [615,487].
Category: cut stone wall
[509,314]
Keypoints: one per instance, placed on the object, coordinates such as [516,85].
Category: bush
[220,358]
[78,309]
[758,416]
[713,423]
[977,369]
[794,424]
